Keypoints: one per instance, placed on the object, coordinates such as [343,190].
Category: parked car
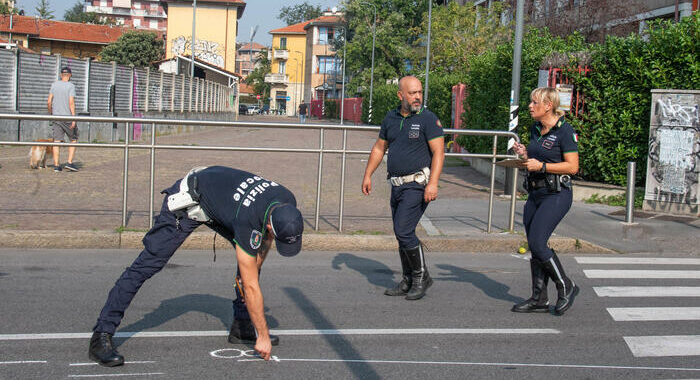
[253,110]
[242,109]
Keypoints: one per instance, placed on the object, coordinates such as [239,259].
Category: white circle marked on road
[232,353]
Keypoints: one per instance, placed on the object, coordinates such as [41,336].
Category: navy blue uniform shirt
[408,139]
[240,202]
[550,147]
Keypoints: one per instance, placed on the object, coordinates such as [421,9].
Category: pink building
[138,14]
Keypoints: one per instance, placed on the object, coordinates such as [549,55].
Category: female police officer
[552,156]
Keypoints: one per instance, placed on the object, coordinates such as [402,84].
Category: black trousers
[542,213]
[407,207]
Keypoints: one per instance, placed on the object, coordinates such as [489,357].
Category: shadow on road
[491,288]
[376,272]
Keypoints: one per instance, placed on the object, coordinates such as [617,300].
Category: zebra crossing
[643,312]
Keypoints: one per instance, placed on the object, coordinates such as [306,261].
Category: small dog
[38,153]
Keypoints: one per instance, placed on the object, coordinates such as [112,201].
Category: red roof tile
[62,30]
[256,46]
[20,24]
[325,20]
[291,29]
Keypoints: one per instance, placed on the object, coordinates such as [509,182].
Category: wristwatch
[544,168]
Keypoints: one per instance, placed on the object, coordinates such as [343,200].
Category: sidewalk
[41,208]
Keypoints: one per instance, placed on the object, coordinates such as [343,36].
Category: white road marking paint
[127,362]
[215,333]
[120,374]
[428,226]
[25,362]
[645,274]
[235,353]
[549,365]
[522,257]
[670,345]
[654,313]
[637,260]
[647,291]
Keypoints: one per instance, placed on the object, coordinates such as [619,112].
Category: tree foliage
[134,48]
[77,14]
[43,10]
[294,14]
[257,77]
[5,9]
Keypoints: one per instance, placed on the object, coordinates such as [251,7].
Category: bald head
[411,94]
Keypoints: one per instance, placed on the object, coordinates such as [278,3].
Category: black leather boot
[566,289]
[421,280]
[102,350]
[539,302]
[405,284]
[243,331]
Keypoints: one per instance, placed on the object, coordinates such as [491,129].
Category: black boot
[539,302]
[421,280]
[102,350]
[566,288]
[243,331]
[405,285]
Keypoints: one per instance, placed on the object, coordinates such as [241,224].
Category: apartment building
[288,64]
[138,14]
[323,78]
[247,57]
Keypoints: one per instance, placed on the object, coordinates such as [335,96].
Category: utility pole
[515,86]
[427,55]
[194,27]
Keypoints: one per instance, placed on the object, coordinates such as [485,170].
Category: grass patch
[617,200]
[9,226]
[121,229]
[455,162]
[363,232]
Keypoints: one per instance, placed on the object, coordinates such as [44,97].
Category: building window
[103,3]
[153,24]
[154,6]
[137,22]
[137,5]
[283,43]
[328,65]
[282,67]
[325,35]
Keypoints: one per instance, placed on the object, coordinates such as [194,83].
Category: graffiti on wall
[207,51]
[674,152]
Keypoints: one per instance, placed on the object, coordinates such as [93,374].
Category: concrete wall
[106,132]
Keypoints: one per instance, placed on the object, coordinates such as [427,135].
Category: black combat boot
[566,288]
[421,280]
[243,331]
[102,350]
[539,302]
[405,285]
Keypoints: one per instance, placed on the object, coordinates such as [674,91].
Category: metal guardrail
[321,150]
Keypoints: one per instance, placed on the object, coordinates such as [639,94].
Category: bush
[332,109]
[384,99]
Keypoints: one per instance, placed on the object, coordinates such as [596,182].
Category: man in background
[62,103]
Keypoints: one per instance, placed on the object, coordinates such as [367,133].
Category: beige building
[288,65]
[323,76]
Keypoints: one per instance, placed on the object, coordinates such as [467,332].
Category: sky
[257,12]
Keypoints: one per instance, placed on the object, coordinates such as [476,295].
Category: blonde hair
[548,94]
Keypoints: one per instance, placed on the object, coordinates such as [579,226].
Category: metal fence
[321,150]
[26,78]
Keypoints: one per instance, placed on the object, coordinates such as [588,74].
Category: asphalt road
[334,321]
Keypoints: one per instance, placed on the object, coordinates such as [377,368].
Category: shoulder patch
[255,239]
[575,137]
[438,123]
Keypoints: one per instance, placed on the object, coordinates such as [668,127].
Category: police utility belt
[186,201]
[421,177]
[553,182]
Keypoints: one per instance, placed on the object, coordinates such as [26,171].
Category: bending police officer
[552,157]
[244,208]
[414,137]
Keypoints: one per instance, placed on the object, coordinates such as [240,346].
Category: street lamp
[194,23]
[296,90]
[371,80]
[427,55]
[300,89]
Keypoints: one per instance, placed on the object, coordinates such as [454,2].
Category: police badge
[255,239]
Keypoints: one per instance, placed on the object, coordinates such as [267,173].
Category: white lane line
[625,314]
[428,226]
[670,345]
[548,365]
[214,333]
[121,374]
[127,362]
[25,362]
[605,273]
[637,260]
[647,291]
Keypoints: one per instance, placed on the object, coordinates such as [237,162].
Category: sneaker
[71,167]
[57,168]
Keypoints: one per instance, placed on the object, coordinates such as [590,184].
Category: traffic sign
[289,98]
[257,97]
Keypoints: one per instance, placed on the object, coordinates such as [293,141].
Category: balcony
[277,78]
[281,54]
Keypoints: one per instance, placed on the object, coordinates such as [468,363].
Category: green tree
[44,11]
[77,14]
[134,48]
[294,14]
[6,10]
[257,77]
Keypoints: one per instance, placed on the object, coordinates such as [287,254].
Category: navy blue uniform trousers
[160,243]
[407,207]
[542,213]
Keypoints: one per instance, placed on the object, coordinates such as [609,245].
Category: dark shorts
[61,128]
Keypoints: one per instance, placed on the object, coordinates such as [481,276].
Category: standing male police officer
[416,155]
[247,210]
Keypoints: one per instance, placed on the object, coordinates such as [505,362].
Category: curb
[479,243]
